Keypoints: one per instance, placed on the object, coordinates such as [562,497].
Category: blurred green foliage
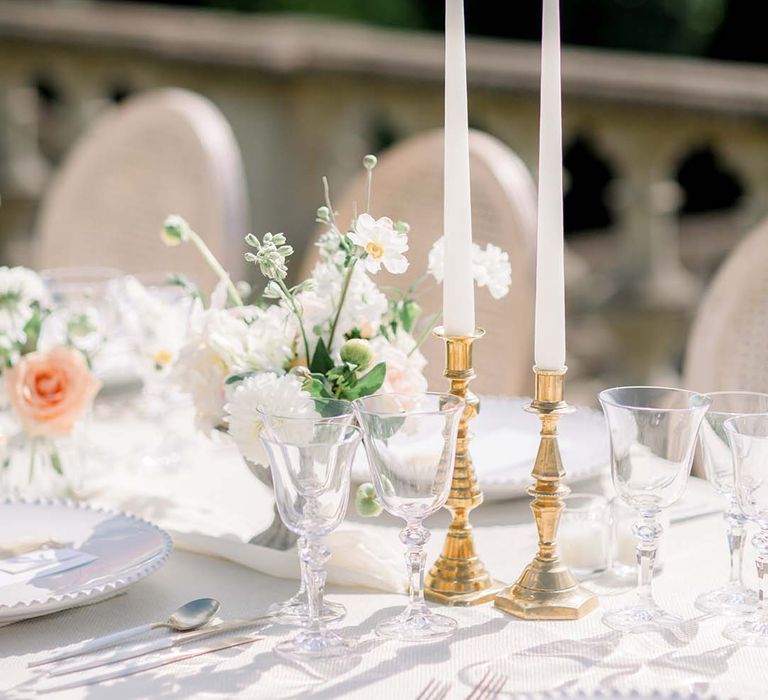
[729,29]
[401,13]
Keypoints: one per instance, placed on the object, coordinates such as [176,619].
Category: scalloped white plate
[506,439]
[126,549]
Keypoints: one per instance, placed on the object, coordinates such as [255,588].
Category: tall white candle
[549,349]
[458,284]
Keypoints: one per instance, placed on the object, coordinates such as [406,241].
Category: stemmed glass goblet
[733,598]
[652,433]
[410,440]
[285,427]
[157,308]
[748,437]
[311,473]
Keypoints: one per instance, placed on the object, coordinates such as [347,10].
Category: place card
[22,568]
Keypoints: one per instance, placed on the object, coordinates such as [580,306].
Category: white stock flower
[436,259]
[383,244]
[490,267]
[20,289]
[405,364]
[264,393]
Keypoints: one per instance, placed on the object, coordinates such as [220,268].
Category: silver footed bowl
[277,535]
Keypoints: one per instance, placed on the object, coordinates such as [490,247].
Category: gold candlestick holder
[458,577]
[547,590]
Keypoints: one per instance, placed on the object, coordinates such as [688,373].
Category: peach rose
[50,391]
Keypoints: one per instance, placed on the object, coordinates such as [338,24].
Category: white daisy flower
[264,393]
[383,244]
[20,289]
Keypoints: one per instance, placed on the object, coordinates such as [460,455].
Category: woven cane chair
[728,343]
[166,151]
[408,185]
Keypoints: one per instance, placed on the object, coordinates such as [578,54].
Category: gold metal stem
[458,577]
[547,590]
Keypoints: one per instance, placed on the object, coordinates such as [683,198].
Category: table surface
[694,659]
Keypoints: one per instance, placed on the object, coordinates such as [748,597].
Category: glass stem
[414,537]
[760,541]
[736,539]
[648,531]
[314,554]
[303,571]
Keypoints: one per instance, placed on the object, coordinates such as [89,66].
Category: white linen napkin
[211,504]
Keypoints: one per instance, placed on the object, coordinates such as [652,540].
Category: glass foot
[729,600]
[641,619]
[295,611]
[417,626]
[315,644]
[752,632]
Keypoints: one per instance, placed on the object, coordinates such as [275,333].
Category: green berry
[367,502]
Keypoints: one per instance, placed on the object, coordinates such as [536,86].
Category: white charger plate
[126,549]
[506,439]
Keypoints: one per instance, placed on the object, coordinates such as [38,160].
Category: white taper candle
[549,349]
[458,283]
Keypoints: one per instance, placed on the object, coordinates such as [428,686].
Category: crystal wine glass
[84,314]
[311,473]
[283,427]
[156,309]
[733,598]
[652,434]
[748,437]
[410,440]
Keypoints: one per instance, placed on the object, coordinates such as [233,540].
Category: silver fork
[434,690]
[488,687]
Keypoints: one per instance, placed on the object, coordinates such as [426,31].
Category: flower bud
[367,502]
[402,227]
[323,214]
[357,351]
[369,162]
[243,289]
[175,230]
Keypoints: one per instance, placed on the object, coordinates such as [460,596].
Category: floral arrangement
[23,305]
[48,389]
[336,334]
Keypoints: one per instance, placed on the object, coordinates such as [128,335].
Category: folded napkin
[211,504]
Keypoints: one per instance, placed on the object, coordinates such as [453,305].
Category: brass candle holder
[458,577]
[547,590]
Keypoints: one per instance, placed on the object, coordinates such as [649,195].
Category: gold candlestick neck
[458,577]
[547,590]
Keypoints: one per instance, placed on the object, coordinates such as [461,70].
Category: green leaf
[56,462]
[233,379]
[321,360]
[317,388]
[368,384]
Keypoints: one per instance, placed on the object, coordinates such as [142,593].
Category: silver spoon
[190,616]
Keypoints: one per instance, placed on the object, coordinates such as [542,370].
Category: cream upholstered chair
[163,152]
[408,185]
[728,343]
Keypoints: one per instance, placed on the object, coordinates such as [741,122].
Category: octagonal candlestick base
[547,590]
[458,577]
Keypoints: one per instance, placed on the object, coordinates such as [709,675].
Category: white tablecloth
[695,660]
